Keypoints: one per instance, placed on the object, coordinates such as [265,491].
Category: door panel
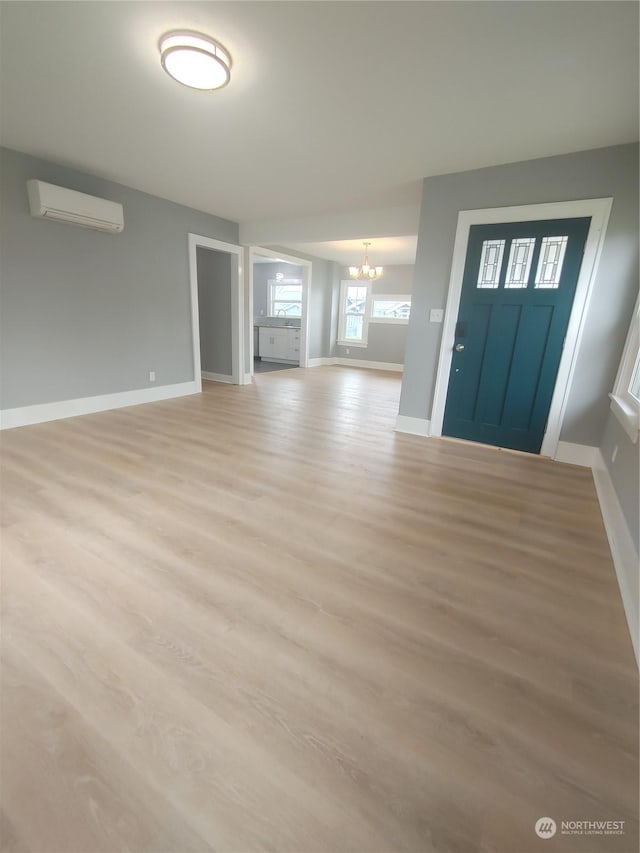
[501,343]
[528,355]
[475,347]
[517,292]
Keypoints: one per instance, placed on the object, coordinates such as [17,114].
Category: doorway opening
[217,306]
[277,316]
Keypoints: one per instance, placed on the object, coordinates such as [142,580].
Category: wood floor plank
[259,619]
[99,801]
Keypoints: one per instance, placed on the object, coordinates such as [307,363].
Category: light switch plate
[436,315]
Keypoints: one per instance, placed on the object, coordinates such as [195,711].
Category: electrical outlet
[261,312]
[152,376]
[436,315]
[614,454]
[348,351]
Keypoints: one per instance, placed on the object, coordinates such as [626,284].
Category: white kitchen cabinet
[279,344]
[293,345]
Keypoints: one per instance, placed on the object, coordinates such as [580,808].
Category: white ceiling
[263,259]
[333,107]
[383,250]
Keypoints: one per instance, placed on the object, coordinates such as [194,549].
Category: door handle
[459,347]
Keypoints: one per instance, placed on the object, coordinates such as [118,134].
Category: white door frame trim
[237,304]
[306,303]
[598,209]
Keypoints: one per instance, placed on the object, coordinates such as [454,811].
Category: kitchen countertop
[274,323]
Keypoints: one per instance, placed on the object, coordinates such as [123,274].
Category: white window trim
[623,405]
[390,297]
[270,284]
[342,316]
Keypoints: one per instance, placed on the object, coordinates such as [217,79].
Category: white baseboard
[576,454]
[623,551]
[25,415]
[413,426]
[369,365]
[625,557]
[356,362]
[217,377]
[248,378]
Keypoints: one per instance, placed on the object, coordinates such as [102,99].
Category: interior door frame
[237,304]
[306,302]
[598,209]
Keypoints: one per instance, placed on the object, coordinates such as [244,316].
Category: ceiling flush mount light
[366,270]
[195,60]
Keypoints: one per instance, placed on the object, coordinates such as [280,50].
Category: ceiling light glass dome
[195,60]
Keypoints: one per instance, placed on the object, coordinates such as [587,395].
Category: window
[390,308]
[490,263]
[359,307]
[354,313]
[520,257]
[285,298]
[550,262]
[625,399]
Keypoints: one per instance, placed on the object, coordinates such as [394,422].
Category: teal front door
[517,292]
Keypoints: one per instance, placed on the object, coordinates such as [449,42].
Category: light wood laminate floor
[259,619]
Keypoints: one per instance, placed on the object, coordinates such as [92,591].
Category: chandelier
[366,270]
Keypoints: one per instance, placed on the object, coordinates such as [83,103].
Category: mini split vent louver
[48,201]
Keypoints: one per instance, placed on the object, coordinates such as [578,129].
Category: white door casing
[237,304]
[306,293]
[598,210]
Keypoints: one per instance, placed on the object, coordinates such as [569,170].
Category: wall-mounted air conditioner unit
[51,202]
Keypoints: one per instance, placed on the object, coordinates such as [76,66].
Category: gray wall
[624,472]
[262,274]
[214,308]
[86,313]
[386,341]
[324,299]
[588,174]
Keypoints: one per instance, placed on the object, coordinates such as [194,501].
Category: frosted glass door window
[490,263]
[550,262]
[520,257]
